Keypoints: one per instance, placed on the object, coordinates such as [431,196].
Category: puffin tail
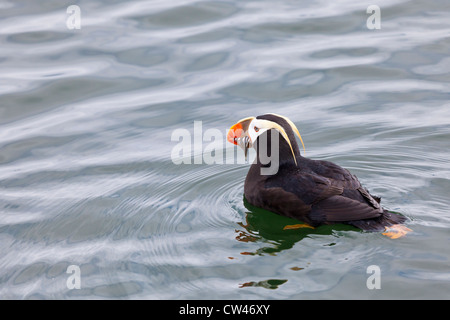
[386,221]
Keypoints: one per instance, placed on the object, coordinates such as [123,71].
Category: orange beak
[234,133]
[238,130]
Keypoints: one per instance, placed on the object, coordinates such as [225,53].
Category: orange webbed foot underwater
[396,231]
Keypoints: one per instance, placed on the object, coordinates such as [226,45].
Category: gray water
[87,173]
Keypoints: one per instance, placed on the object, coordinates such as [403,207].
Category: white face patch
[259,126]
[256,128]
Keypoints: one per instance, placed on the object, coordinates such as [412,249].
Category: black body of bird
[313,191]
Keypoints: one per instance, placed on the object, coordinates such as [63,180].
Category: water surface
[86,121]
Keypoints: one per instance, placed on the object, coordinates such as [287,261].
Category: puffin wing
[342,209]
[353,203]
[325,199]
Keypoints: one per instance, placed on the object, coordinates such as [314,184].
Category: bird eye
[256,128]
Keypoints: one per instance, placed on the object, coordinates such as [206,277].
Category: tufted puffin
[315,192]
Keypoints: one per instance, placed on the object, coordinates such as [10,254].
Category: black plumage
[313,191]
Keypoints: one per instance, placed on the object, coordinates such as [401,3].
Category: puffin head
[246,131]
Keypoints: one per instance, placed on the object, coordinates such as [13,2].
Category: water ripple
[86,117]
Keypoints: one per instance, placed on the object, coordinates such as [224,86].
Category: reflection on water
[268,284]
[270,229]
